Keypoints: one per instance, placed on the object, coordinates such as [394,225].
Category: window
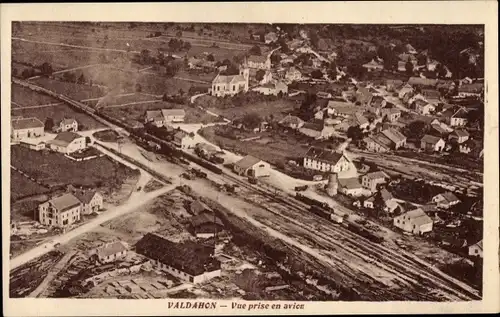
[218,88]
[234,87]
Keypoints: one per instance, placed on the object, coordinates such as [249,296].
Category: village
[261,171]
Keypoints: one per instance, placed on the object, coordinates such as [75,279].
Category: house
[184,140]
[373,66]
[266,78]
[422,82]
[350,187]
[293,74]
[270,37]
[205,149]
[360,120]
[173,115]
[391,114]
[460,136]
[398,140]
[470,90]
[26,128]
[438,129]
[35,144]
[324,95]
[326,160]
[274,89]
[390,204]
[377,143]
[410,49]
[60,211]
[155,117]
[370,181]
[459,118]
[432,143]
[432,96]
[110,252]
[68,142]
[470,147]
[368,203]
[291,122]
[91,200]
[415,221]
[205,225]
[405,90]
[476,250]
[392,85]
[67,124]
[312,129]
[258,62]
[342,108]
[230,85]
[188,261]
[364,96]
[423,107]
[251,166]
[445,200]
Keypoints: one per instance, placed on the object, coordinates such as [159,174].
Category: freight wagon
[312,202]
[365,233]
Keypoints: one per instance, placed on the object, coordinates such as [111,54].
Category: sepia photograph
[302,162]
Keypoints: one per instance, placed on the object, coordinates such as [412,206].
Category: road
[136,200]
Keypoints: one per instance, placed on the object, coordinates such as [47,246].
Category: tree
[81,79]
[138,88]
[275,59]
[178,34]
[145,56]
[314,38]
[354,133]
[416,129]
[332,71]
[409,68]
[317,74]
[187,46]
[49,124]
[160,58]
[210,58]
[259,75]
[46,69]
[171,69]
[251,120]
[255,50]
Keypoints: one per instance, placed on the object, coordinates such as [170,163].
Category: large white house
[415,221]
[68,142]
[26,128]
[60,211]
[326,160]
[230,85]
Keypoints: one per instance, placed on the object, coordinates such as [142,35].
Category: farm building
[60,211]
[188,261]
[205,225]
[350,187]
[251,166]
[68,142]
[173,115]
[414,221]
[26,128]
[476,249]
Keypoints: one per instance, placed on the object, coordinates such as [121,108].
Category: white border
[433,12]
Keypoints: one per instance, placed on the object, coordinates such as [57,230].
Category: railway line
[416,278]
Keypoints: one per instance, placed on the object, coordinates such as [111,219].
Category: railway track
[406,267]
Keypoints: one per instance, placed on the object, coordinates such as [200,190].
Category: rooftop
[247,162]
[419,81]
[430,139]
[349,183]
[329,156]
[257,58]
[26,123]
[188,256]
[227,79]
[65,138]
[205,218]
[419,217]
[85,196]
[173,112]
[111,249]
[377,175]
[198,207]
[394,135]
[64,202]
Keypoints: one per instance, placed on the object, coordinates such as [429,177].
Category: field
[273,150]
[25,97]
[57,113]
[264,108]
[21,187]
[54,169]
[72,90]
